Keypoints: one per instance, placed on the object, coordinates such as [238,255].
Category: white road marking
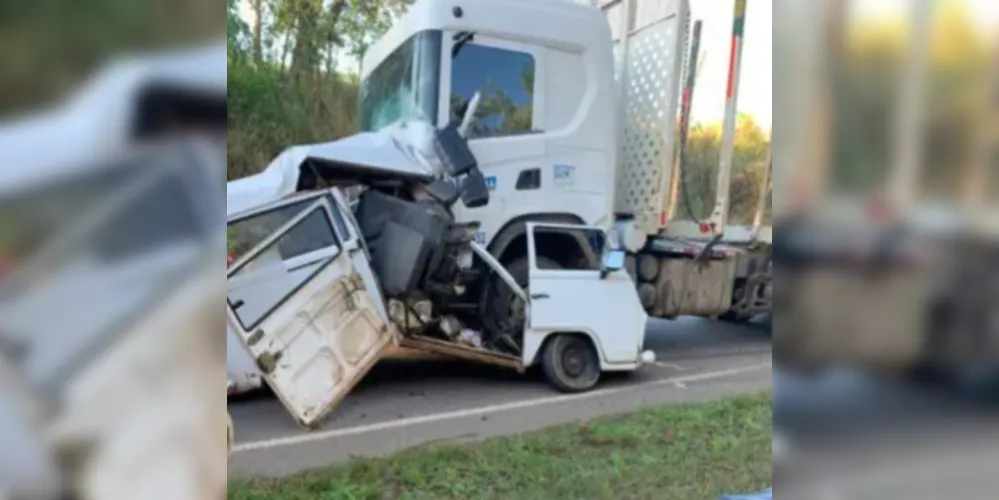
[486,410]
[672,366]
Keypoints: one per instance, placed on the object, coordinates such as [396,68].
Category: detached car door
[313,330]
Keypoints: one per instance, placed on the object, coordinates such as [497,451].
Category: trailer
[885,282]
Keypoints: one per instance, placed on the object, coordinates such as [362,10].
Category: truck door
[314,330]
[577,298]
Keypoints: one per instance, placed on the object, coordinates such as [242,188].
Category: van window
[245,233]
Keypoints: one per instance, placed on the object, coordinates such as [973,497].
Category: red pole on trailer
[719,217]
[678,182]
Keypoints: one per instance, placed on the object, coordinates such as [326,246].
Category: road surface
[405,404]
[853,437]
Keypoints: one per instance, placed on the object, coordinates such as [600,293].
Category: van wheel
[571,363]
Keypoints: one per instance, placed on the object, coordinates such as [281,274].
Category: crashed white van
[328,286]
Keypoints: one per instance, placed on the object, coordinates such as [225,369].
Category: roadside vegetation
[694,452]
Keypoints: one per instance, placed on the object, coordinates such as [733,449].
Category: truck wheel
[648,295]
[631,267]
[571,363]
[648,268]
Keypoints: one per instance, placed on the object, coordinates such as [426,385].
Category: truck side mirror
[613,262]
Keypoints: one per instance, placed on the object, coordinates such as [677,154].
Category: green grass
[676,453]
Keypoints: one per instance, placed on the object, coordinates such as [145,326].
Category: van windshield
[404,85]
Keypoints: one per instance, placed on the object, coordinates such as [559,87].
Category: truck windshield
[404,85]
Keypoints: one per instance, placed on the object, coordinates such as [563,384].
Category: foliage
[236,31]
[868,101]
[49,48]
[283,85]
[700,175]
[269,112]
[677,453]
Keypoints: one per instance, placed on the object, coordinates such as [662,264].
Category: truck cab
[544,135]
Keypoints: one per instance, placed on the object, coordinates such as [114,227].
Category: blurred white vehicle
[110,221]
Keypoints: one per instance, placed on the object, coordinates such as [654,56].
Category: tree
[49,48]
[236,31]
[314,31]
[867,102]
[704,146]
[283,84]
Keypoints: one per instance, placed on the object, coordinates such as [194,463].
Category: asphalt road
[849,436]
[405,404]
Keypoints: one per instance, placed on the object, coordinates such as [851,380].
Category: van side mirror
[474,190]
[613,262]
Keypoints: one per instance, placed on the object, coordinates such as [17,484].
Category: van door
[248,229]
[313,330]
[577,298]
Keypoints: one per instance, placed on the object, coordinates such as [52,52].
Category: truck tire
[631,267]
[648,268]
[647,294]
[571,363]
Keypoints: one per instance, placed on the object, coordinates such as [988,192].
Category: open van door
[314,331]
[582,297]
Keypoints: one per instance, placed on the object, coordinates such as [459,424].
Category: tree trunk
[304,56]
[258,23]
[285,51]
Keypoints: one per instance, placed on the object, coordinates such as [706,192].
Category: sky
[756,85]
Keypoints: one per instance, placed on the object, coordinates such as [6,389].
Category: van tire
[571,363]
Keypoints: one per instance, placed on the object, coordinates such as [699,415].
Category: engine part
[450,327]
[407,240]
[403,271]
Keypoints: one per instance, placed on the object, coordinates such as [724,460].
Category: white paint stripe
[486,410]
[672,366]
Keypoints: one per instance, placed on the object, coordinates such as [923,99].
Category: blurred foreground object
[110,225]
[886,249]
[48,48]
